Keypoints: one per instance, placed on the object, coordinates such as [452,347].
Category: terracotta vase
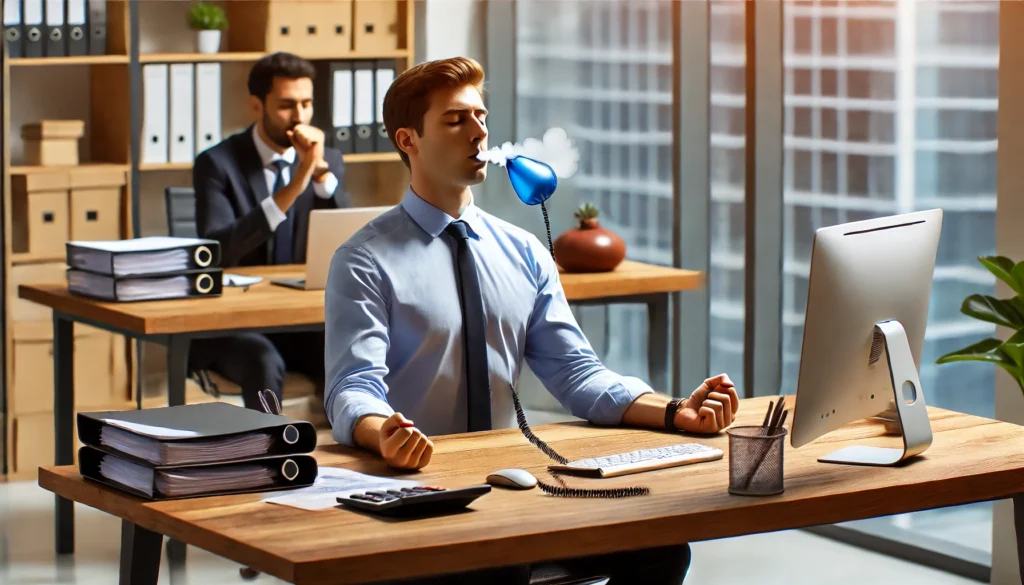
[589,247]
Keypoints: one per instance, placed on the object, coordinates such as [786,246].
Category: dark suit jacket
[229,183]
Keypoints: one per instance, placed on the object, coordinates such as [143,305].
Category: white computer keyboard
[642,460]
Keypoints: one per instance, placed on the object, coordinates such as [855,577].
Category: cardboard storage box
[32,379]
[39,208]
[375,25]
[45,273]
[52,142]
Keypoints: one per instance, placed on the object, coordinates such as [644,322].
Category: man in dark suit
[254,192]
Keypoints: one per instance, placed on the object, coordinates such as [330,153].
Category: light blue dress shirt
[394,326]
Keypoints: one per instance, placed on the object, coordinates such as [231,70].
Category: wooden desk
[972,459]
[266,308]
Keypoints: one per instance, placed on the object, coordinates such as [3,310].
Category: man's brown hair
[408,99]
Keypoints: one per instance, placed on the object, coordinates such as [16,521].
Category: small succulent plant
[586,215]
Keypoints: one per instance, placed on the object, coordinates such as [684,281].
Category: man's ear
[255,108]
[407,142]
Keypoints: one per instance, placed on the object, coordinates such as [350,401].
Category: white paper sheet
[332,482]
[150,430]
[240,280]
[146,244]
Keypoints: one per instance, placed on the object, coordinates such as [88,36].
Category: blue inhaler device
[534,182]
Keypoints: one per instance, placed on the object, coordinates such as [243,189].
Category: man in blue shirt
[432,308]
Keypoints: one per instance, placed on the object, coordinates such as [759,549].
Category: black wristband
[670,414]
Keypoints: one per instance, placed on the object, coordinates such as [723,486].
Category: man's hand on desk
[710,408]
[400,443]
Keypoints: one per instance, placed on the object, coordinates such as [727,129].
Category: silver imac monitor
[867,307]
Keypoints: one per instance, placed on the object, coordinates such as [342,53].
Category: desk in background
[972,459]
[268,308]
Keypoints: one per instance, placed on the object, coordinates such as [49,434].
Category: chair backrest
[181,212]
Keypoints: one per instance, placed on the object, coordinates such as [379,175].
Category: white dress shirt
[274,214]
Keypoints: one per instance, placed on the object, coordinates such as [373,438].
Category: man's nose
[479,131]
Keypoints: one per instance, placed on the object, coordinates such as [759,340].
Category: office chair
[180,203]
[181,212]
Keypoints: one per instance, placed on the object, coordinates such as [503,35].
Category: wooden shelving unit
[56,61]
[244,56]
[350,159]
[114,125]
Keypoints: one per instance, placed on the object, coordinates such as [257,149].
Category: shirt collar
[268,154]
[433,221]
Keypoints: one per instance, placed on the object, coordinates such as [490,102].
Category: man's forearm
[286,197]
[366,433]
[648,410]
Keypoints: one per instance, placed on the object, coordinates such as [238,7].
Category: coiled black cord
[547,226]
[563,490]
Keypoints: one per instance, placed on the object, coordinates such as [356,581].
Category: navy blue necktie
[283,233]
[474,329]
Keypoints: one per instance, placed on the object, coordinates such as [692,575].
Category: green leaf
[1002,267]
[1018,276]
[1018,304]
[1014,347]
[993,310]
[1015,351]
[986,350]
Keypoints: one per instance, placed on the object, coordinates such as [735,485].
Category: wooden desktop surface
[971,459]
[268,305]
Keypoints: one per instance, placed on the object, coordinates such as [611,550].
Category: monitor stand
[910,411]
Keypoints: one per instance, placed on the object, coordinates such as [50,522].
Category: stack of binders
[53,28]
[196,450]
[353,115]
[145,269]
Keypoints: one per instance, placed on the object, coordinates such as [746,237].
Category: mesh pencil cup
[755,461]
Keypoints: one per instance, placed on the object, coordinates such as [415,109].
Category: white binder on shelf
[385,75]
[363,111]
[341,107]
[208,124]
[78,32]
[54,29]
[12,27]
[182,127]
[34,40]
[154,112]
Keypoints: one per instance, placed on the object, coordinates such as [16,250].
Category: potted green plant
[1008,354]
[208,20]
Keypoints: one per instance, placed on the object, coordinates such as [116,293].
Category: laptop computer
[328,230]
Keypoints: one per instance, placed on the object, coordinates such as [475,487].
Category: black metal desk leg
[63,424]
[140,555]
[657,344]
[1018,522]
[177,371]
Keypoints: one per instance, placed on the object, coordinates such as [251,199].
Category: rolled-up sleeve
[356,342]
[563,359]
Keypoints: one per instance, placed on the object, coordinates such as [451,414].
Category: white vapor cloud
[556,150]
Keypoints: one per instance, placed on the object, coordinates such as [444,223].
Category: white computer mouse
[513,478]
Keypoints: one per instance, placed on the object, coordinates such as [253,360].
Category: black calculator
[414,501]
